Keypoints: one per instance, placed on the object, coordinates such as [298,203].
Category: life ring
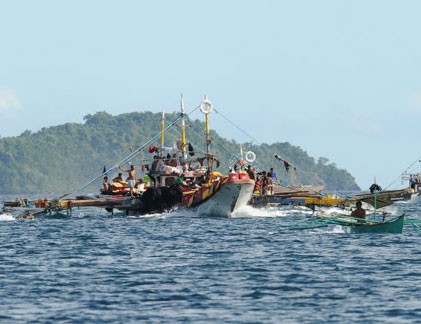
[206,106]
[250,156]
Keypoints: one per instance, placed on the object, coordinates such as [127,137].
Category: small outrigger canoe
[354,225]
[357,225]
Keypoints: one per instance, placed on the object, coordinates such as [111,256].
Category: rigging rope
[198,126]
[308,174]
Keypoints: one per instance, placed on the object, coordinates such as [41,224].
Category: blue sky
[341,79]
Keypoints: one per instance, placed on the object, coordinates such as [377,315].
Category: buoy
[250,156]
[206,106]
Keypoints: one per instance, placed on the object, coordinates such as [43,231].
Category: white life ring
[206,106]
[250,156]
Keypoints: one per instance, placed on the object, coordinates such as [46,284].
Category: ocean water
[181,267]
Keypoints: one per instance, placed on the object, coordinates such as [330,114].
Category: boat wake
[415,199]
[6,217]
[329,211]
[249,211]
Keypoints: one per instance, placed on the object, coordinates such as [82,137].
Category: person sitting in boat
[181,181]
[204,179]
[147,180]
[119,178]
[359,212]
[257,187]
[251,172]
[140,185]
[131,180]
[106,188]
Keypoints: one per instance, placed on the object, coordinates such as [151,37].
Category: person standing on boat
[264,182]
[251,172]
[270,183]
[131,180]
[155,169]
[359,212]
[273,173]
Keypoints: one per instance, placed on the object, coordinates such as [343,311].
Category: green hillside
[62,158]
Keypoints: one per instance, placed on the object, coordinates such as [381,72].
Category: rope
[308,174]
[198,126]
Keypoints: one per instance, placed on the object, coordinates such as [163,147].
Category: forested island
[62,158]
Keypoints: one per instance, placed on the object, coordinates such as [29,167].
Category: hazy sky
[341,79]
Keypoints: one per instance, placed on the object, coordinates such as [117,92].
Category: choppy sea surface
[184,267]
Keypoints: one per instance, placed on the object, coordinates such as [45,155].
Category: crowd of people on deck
[25,202]
[151,178]
[264,180]
[131,181]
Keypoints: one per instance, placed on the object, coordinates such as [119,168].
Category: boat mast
[375,199]
[162,131]
[183,129]
[206,107]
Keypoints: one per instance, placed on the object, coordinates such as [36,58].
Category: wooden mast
[206,107]
[183,129]
[162,131]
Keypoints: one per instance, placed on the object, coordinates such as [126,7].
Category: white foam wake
[284,211]
[6,217]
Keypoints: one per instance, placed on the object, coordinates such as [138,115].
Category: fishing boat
[353,224]
[358,225]
[177,179]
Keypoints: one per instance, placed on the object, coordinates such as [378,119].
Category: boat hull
[393,226]
[229,199]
